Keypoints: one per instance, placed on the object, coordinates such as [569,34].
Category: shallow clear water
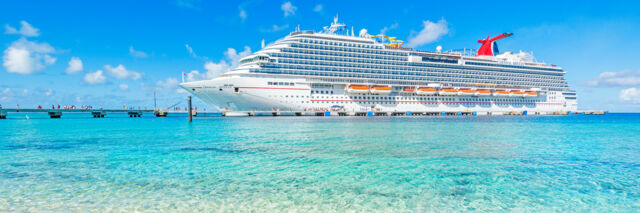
[424,164]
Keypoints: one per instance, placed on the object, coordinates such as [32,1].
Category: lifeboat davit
[467,92]
[358,89]
[408,90]
[483,92]
[448,91]
[379,89]
[530,94]
[516,93]
[426,91]
[501,93]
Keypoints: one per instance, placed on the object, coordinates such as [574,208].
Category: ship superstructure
[337,70]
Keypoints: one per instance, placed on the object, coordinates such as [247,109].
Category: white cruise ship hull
[256,94]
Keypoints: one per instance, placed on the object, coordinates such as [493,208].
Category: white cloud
[95,77]
[190,50]
[627,78]
[7,91]
[234,57]
[193,53]
[27,57]
[275,28]
[25,30]
[170,83]
[242,14]
[136,53]
[48,92]
[631,94]
[123,87]
[75,65]
[288,9]
[213,70]
[384,30]
[430,32]
[318,8]
[121,72]
[231,60]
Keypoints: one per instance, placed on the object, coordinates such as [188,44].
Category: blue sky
[129,49]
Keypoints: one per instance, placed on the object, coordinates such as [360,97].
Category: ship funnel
[489,46]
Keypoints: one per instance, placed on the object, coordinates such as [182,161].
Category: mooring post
[189,105]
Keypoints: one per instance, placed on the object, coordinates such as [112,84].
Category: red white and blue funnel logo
[489,46]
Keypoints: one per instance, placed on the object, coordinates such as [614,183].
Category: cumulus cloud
[27,57]
[430,32]
[95,77]
[234,57]
[387,28]
[136,53]
[123,87]
[25,30]
[48,92]
[627,78]
[318,8]
[274,28]
[75,65]
[170,83]
[242,14]
[631,95]
[288,9]
[231,60]
[121,72]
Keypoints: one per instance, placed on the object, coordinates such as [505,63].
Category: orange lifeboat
[467,91]
[483,92]
[516,93]
[408,90]
[380,89]
[426,91]
[448,91]
[501,92]
[358,89]
[530,94]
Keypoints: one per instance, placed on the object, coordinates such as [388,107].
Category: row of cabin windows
[321,92]
[369,102]
[443,78]
[513,66]
[281,83]
[341,54]
[394,68]
[298,54]
[391,98]
[318,47]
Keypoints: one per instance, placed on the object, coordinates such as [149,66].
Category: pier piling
[189,105]
[55,114]
[135,114]
[98,114]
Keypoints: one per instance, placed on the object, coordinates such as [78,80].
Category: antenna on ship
[351,31]
[262,44]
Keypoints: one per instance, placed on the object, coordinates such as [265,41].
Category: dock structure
[55,113]
[58,113]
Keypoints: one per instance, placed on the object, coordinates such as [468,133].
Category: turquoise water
[380,164]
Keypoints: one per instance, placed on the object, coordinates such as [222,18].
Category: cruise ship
[337,70]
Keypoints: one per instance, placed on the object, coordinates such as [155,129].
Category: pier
[58,113]
[102,113]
